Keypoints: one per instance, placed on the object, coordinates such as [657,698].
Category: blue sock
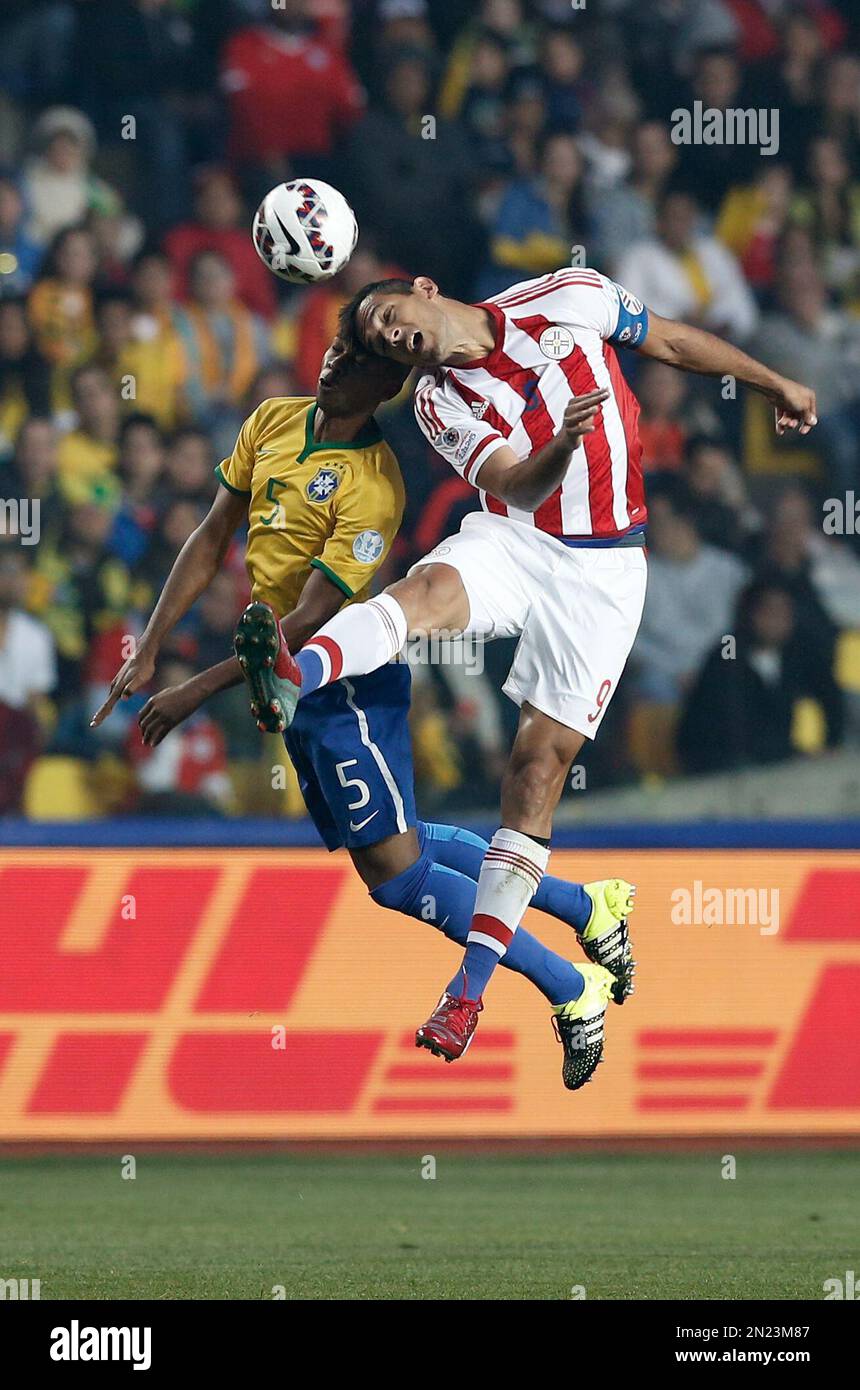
[313,672]
[443,897]
[460,849]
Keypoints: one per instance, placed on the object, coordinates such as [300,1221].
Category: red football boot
[450,1028]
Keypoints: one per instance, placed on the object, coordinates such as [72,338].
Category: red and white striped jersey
[554,339]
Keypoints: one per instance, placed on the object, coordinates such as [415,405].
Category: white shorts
[576,611]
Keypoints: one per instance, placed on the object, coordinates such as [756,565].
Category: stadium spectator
[27,658]
[662,393]
[220,224]
[821,569]
[627,213]
[25,375]
[189,467]
[404,185]
[32,472]
[147,367]
[539,219]
[58,184]
[20,255]
[140,470]
[725,516]
[683,273]
[61,306]
[566,89]
[187,773]
[292,95]
[822,343]
[481,109]
[224,343]
[740,710]
[708,171]
[89,452]
[751,221]
[28,674]
[830,208]
[691,593]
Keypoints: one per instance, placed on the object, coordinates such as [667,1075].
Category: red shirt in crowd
[287,93]
[255,285]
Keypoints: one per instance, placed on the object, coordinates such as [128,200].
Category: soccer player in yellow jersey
[323,498]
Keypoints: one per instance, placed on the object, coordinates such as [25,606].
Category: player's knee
[432,598]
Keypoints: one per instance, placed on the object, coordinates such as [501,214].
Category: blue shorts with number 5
[351,747]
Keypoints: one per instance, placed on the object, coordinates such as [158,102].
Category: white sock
[356,641]
[510,876]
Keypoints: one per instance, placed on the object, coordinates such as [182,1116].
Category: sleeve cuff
[335,579]
[237,491]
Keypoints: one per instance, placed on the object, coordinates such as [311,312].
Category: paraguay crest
[321,486]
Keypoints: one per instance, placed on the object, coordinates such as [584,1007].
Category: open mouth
[415,341]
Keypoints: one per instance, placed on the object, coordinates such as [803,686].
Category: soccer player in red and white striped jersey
[524,396]
[553,339]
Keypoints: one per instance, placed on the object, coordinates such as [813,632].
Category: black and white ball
[305,231]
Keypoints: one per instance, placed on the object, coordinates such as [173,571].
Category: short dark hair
[348,316]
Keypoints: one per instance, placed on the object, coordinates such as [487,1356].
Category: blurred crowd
[481,143]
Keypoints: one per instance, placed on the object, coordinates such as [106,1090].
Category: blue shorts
[351,747]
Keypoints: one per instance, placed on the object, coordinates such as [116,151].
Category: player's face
[408,328]
[350,384]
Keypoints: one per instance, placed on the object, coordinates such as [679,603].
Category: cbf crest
[321,486]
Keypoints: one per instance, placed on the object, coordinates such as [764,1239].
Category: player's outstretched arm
[193,570]
[319,602]
[694,350]
[527,483]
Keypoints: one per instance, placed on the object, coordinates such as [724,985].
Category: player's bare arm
[195,567]
[162,712]
[694,350]
[527,483]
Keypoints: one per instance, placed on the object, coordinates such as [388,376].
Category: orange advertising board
[260,994]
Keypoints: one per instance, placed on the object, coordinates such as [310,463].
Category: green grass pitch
[362,1226]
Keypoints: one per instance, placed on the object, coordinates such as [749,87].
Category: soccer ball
[305,231]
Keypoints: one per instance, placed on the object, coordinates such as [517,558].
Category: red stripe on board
[86,1073]
[490,1072]
[440,1104]
[709,1037]
[717,1071]
[727,1102]
[335,655]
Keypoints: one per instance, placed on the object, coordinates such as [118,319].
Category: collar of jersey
[499,327]
[372,435]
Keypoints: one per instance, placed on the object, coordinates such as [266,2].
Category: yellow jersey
[328,506]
